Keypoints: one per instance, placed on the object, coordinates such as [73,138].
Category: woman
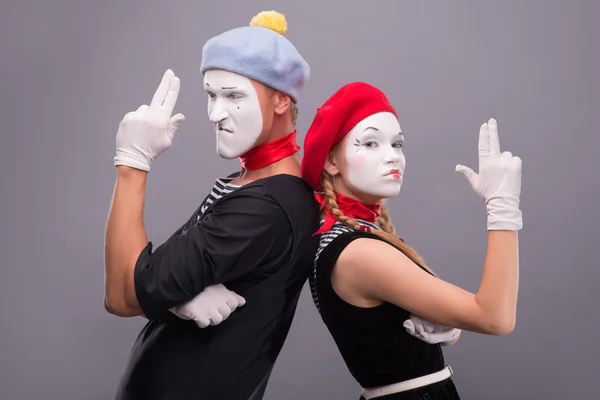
[367,281]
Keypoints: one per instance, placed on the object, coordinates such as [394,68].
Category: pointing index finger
[494,141]
[172,95]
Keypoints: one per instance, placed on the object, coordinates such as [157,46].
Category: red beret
[334,120]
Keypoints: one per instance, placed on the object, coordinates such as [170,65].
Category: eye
[211,95]
[398,145]
[370,144]
[235,96]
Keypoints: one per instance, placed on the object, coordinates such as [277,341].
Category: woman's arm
[378,271]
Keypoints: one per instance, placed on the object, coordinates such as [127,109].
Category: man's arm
[142,136]
[125,239]
[242,233]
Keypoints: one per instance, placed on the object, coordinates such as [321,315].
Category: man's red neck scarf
[350,208]
[269,153]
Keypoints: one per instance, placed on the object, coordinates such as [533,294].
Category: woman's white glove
[429,332]
[498,182]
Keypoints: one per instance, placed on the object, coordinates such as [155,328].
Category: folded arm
[241,233]
[379,271]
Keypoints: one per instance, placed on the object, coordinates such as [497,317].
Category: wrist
[131,175]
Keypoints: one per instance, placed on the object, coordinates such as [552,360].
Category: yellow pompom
[271,20]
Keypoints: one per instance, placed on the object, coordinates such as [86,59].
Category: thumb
[410,327]
[241,300]
[202,322]
[468,174]
[174,123]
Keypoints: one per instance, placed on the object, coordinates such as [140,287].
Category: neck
[281,126]
[364,198]
[289,165]
[276,155]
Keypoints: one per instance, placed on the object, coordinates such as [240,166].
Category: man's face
[372,162]
[234,107]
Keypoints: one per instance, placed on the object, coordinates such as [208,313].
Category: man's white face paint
[374,155]
[234,109]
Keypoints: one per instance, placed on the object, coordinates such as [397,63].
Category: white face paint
[374,156]
[234,109]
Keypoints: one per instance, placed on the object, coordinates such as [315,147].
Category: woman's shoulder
[333,242]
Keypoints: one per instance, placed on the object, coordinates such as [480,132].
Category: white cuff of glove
[132,160]
[504,215]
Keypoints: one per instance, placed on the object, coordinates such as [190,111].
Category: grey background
[71,69]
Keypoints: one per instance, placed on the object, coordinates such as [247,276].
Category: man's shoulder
[291,192]
[297,199]
[287,190]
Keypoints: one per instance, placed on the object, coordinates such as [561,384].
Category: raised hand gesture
[147,132]
[498,182]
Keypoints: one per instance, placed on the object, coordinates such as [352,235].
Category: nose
[217,112]
[392,156]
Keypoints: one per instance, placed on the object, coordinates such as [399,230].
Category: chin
[226,155]
[387,193]
[224,152]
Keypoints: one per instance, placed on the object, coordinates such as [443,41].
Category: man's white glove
[210,307]
[147,132]
[429,332]
[498,182]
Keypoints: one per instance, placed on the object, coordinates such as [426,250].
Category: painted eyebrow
[228,87]
[377,130]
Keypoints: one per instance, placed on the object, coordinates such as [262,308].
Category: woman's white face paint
[234,109]
[374,156]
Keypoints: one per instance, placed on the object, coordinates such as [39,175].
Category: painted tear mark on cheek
[238,107]
[357,144]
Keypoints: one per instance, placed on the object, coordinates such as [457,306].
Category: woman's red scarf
[350,208]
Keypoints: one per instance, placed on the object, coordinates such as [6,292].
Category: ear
[331,165]
[283,103]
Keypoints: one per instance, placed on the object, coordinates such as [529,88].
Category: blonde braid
[384,219]
[332,205]
[388,231]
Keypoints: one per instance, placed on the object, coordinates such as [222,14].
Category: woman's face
[369,163]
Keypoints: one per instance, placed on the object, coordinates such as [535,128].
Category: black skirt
[443,390]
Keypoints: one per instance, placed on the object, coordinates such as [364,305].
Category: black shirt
[375,346]
[258,241]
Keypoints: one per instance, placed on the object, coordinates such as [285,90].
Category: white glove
[145,133]
[429,332]
[210,307]
[498,182]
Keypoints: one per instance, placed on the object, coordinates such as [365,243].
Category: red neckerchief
[350,208]
[268,153]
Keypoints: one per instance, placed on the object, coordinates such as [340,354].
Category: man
[252,233]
